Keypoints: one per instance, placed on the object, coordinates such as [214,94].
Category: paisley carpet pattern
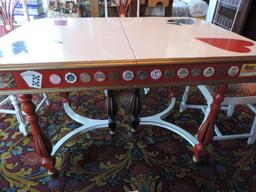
[153,160]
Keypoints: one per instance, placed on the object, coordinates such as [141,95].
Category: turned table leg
[205,132]
[135,109]
[64,96]
[111,107]
[42,144]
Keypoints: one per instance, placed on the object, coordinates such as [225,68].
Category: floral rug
[152,160]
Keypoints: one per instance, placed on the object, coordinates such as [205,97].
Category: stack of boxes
[35,10]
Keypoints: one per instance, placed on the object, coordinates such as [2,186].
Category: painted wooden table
[52,55]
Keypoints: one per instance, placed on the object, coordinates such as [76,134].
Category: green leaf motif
[106,166]
[120,157]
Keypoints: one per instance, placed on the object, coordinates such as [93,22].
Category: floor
[152,160]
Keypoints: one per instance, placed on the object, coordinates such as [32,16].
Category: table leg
[42,144]
[64,96]
[111,107]
[135,109]
[205,132]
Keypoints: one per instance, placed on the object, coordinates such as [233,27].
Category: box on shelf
[31,11]
[35,8]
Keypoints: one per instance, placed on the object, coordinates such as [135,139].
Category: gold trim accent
[59,90]
[67,65]
[124,63]
[198,60]
[209,82]
[114,87]
[120,63]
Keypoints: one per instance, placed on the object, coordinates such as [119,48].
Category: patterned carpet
[153,160]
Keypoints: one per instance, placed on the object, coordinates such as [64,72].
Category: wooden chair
[6,14]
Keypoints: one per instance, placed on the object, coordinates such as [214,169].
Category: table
[72,54]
